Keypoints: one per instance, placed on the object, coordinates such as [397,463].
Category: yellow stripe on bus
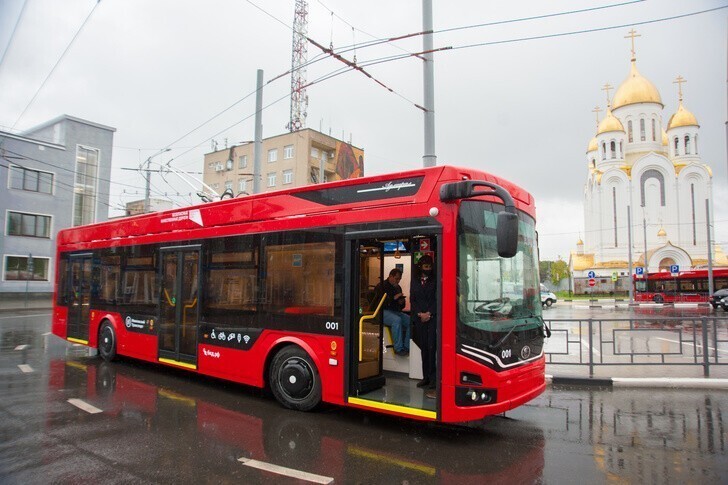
[393,407]
[181,364]
[77,340]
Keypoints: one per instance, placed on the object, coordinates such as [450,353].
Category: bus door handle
[364,319]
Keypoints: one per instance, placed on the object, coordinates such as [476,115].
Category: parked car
[720,298]
[547,297]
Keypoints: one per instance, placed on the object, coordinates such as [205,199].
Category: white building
[638,163]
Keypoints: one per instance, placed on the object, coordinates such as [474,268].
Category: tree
[553,271]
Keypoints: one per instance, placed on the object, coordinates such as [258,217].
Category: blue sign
[640,270]
[674,268]
[591,274]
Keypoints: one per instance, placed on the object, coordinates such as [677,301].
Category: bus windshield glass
[495,294]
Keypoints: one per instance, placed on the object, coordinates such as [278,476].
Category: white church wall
[635,113]
[659,182]
[695,188]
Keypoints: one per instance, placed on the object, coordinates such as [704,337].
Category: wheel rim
[296,378]
[107,341]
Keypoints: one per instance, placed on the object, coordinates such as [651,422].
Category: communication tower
[299,99]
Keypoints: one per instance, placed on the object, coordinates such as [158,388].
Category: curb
[644,382]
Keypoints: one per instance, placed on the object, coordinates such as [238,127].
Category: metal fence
[648,341]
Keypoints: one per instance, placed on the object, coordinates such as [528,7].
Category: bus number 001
[506,354]
[332,325]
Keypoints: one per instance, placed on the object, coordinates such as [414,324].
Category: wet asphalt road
[157,425]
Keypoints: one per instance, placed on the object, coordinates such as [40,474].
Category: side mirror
[507,234]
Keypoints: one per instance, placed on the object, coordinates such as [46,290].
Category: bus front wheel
[294,379]
[658,299]
[107,342]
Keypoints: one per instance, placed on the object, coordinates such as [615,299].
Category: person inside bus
[394,317]
[423,306]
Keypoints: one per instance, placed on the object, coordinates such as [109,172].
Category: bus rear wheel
[294,379]
[107,342]
[658,299]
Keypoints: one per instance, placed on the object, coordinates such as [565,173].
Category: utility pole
[710,249]
[429,159]
[258,148]
[629,253]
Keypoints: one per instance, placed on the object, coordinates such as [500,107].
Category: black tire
[107,342]
[714,305]
[549,302]
[725,307]
[294,379]
[658,299]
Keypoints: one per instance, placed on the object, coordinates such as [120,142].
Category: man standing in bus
[423,306]
[393,316]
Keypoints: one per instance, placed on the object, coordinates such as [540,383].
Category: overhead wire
[12,34]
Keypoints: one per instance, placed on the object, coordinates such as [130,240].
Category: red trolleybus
[686,286]
[276,290]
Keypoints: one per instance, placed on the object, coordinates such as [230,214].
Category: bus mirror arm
[507,228]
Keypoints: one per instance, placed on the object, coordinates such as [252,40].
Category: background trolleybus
[686,286]
[275,290]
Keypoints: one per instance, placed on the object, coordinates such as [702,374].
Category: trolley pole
[258,148]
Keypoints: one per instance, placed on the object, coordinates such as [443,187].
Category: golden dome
[664,138]
[635,89]
[579,242]
[661,233]
[592,145]
[682,117]
[609,123]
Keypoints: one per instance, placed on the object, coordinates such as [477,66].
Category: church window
[642,129]
[654,130]
[692,203]
[629,130]
[614,211]
[696,144]
[652,173]
[677,146]
[613,149]
[687,145]
[604,151]
[621,149]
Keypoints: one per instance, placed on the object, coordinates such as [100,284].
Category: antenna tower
[299,99]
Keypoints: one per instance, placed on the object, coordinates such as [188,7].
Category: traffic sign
[615,277]
[674,269]
[640,270]
[592,282]
[591,274]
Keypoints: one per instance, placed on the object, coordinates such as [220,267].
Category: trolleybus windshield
[496,294]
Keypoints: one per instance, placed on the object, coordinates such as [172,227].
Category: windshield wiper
[505,337]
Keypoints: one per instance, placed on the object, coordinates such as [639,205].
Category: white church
[655,169]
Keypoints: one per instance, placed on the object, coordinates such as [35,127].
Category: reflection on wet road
[160,425]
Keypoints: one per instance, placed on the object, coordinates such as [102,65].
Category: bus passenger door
[366,373]
[79,301]
[179,308]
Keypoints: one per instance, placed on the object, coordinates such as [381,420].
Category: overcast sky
[155,70]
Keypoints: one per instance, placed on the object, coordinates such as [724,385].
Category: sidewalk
[19,301]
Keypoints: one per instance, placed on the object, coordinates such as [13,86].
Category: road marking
[289,472]
[586,344]
[22,347]
[689,343]
[84,406]
[26,316]
[25,368]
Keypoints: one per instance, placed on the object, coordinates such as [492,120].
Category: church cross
[608,87]
[632,34]
[597,110]
[679,81]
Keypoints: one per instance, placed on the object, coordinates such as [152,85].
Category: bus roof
[693,273]
[411,187]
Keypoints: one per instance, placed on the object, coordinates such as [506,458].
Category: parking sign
[674,269]
[640,270]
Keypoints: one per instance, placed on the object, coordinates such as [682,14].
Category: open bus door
[179,305]
[367,373]
[79,299]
